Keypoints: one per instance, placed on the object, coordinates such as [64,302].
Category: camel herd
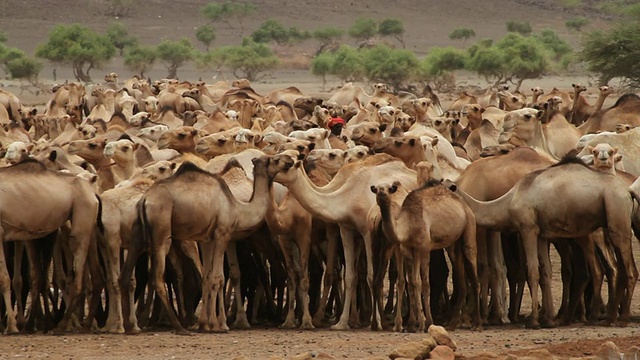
[208,206]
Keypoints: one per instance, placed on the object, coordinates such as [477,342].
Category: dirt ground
[27,23]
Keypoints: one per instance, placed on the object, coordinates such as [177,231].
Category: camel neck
[314,201]
[491,214]
[252,213]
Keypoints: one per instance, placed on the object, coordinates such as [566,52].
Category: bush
[140,59]
[119,36]
[25,69]
[441,61]
[321,65]
[363,29]
[174,54]
[393,67]
[462,33]
[522,28]
[206,34]
[272,30]
[392,27]
[248,60]
[348,64]
[577,23]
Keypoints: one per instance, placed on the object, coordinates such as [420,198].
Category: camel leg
[5,288]
[393,278]
[348,245]
[483,270]
[459,284]
[423,289]
[292,281]
[332,253]
[545,282]
[375,310]
[208,309]
[34,290]
[241,321]
[400,285]
[564,250]
[222,238]
[128,283]
[530,241]
[627,278]
[470,252]
[498,275]
[178,288]
[415,301]
[580,280]
[191,251]
[610,270]
[303,239]
[110,247]
[378,285]
[18,252]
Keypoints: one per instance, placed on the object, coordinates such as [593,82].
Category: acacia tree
[520,27]
[78,46]
[393,67]
[206,34]
[119,36]
[328,38]
[441,63]
[462,33]
[321,66]
[348,64]
[392,27]
[363,29]
[272,30]
[248,60]
[140,59]
[174,54]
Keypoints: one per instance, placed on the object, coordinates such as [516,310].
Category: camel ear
[93,179]
[298,164]
[53,155]
[173,166]
[194,132]
[412,142]
[617,158]
[374,189]
[482,110]
[590,149]
[382,127]
[311,146]
[615,150]
[393,188]
[434,142]
[301,156]
[540,114]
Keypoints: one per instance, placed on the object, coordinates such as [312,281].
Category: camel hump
[627,98]
[189,167]
[570,158]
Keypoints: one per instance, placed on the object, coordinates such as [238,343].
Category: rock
[241,358]
[442,337]
[377,358]
[412,350]
[430,341]
[608,350]
[540,354]
[442,352]
[304,356]
[325,356]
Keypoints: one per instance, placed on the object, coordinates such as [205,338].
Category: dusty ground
[27,22]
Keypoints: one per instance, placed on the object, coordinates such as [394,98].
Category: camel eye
[126,148]
[162,169]
[373,131]
[92,146]
[182,135]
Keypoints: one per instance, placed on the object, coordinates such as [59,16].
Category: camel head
[303,147]
[182,139]
[322,116]
[578,88]
[388,115]
[473,113]
[622,128]
[150,104]
[606,90]
[245,139]
[159,170]
[404,121]
[87,131]
[335,109]
[510,101]
[241,83]
[383,193]
[111,77]
[307,104]
[405,147]
[537,91]
[90,150]
[216,144]
[367,133]
[285,167]
[380,89]
[17,151]
[357,153]
[495,150]
[521,119]
[153,133]
[604,156]
[121,150]
[424,171]
[330,160]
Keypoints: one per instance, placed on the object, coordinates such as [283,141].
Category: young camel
[331,204]
[176,209]
[433,218]
[566,200]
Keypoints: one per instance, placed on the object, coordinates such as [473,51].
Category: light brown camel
[624,111]
[67,198]
[332,207]
[432,218]
[174,209]
[567,200]
[581,110]
[92,151]
[487,179]
[537,91]
[567,101]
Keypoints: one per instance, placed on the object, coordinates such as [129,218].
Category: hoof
[287,325]
[340,326]
[620,323]
[307,325]
[184,332]
[220,330]
[533,325]
[11,331]
[134,331]
[241,324]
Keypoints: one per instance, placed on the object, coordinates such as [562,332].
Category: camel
[511,101]
[182,139]
[348,93]
[13,106]
[581,110]
[247,109]
[566,200]
[464,98]
[433,218]
[367,133]
[487,179]
[474,114]
[173,209]
[288,95]
[624,111]
[92,151]
[537,91]
[567,101]
[628,145]
[485,135]
[328,204]
[620,128]
[67,198]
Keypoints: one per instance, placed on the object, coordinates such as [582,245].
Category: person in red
[335,125]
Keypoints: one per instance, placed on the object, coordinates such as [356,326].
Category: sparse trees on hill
[328,38]
[520,27]
[249,60]
[440,64]
[462,33]
[174,54]
[577,23]
[272,30]
[392,27]
[228,12]
[393,67]
[363,29]
[321,66]
[79,46]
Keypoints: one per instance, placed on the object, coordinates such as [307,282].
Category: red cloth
[335,120]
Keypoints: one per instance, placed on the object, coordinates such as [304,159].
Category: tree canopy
[462,33]
[228,12]
[119,36]
[577,23]
[248,60]
[79,46]
[520,27]
[363,29]
[174,54]
[140,59]
[206,34]
[390,66]
[392,27]
[272,30]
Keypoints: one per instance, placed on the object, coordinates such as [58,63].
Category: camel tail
[99,219]
[635,217]
[144,221]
